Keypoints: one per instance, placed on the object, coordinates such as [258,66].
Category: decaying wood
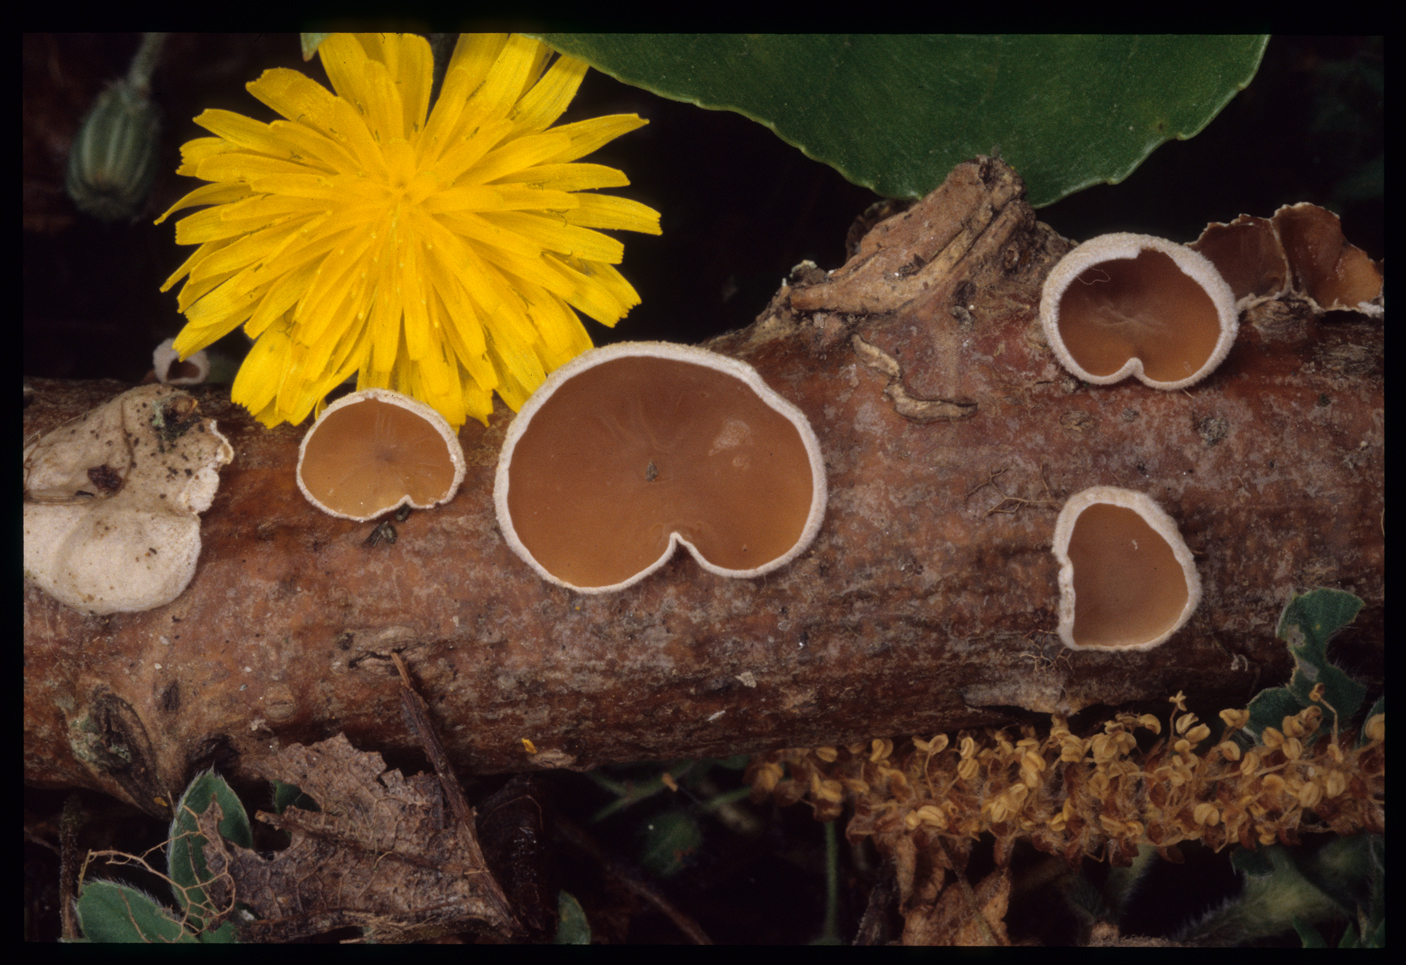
[926,604]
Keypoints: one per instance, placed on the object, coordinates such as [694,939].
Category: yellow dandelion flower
[442,253]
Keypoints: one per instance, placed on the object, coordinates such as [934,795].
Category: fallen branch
[927,603]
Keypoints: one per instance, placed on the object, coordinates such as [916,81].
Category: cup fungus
[167,366]
[627,452]
[1301,250]
[1126,579]
[377,450]
[112,501]
[1126,304]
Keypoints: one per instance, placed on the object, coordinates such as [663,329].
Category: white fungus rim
[1127,245]
[451,443]
[1159,520]
[679,353]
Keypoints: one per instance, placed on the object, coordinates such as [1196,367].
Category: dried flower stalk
[1098,796]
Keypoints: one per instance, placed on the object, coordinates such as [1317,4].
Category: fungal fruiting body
[112,501]
[1301,250]
[1126,578]
[167,366]
[377,450]
[627,452]
[1127,304]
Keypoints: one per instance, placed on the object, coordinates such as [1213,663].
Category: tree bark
[927,603]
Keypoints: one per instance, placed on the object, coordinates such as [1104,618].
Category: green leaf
[112,912]
[895,113]
[573,928]
[310,42]
[1307,623]
[184,854]
[287,796]
[1311,618]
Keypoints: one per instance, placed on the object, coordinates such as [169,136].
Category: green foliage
[1289,888]
[184,854]
[896,112]
[1306,624]
[573,928]
[287,796]
[113,912]
[1292,887]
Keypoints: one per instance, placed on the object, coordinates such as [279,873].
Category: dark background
[740,207]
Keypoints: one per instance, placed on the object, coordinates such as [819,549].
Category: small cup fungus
[629,451]
[167,366]
[1301,250]
[1126,304]
[377,450]
[1126,579]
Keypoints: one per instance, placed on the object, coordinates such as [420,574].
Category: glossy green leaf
[895,113]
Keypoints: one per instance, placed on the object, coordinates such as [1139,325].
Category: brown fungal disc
[375,450]
[628,451]
[1127,304]
[1127,580]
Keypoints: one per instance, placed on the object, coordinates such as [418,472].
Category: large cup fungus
[1126,304]
[627,452]
[1126,578]
[377,450]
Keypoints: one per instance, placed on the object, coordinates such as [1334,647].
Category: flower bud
[112,163]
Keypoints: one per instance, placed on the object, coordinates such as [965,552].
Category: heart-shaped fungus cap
[376,450]
[1126,304]
[1126,579]
[628,451]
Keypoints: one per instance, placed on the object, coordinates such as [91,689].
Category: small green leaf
[1311,618]
[1307,623]
[896,112]
[310,42]
[287,796]
[184,855]
[1308,935]
[112,912]
[573,928]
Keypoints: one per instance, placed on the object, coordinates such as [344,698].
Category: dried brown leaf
[962,915]
[380,855]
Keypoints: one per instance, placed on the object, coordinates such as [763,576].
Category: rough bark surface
[927,603]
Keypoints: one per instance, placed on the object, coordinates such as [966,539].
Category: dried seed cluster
[1099,795]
